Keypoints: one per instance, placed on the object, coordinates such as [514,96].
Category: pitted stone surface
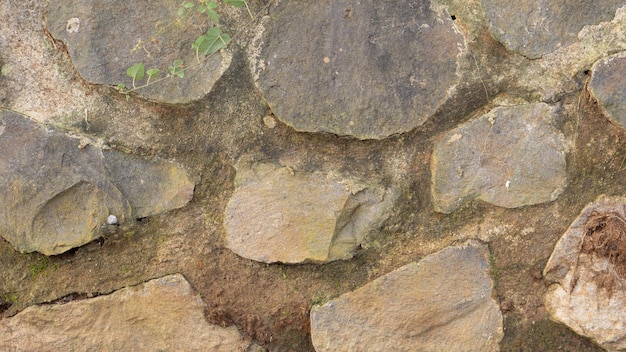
[586,291]
[279,216]
[349,70]
[608,82]
[161,315]
[56,192]
[442,303]
[509,157]
[105,38]
[534,28]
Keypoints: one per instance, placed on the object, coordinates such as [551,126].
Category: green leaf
[181,11]
[202,8]
[236,3]
[215,40]
[189,5]
[211,5]
[213,16]
[177,68]
[120,86]
[153,72]
[136,71]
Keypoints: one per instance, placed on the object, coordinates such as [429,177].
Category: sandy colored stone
[509,157]
[163,314]
[586,291]
[278,215]
[441,303]
[348,70]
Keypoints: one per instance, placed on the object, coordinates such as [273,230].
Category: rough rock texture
[607,84]
[537,27]
[105,38]
[161,315]
[587,272]
[277,215]
[56,191]
[442,303]
[349,70]
[509,157]
[150,186]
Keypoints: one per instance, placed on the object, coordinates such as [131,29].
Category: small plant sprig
[206,44]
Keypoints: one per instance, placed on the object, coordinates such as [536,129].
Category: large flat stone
[534,28]
[349,70]
[275,215]
[104,38]
[441,303]
[509,157]
[163,314]
[57,191]
[587,272]
[608,86]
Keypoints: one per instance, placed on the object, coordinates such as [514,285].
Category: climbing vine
[204,46]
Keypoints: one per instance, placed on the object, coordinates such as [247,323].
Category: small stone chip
[72,25]
[112,220]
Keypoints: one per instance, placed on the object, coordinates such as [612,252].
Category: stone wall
[343,176]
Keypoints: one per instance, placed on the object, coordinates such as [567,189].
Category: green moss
[40,266]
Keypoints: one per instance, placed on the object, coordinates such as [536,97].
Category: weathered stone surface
[442,303]
[587,272]
[349,70]
[276,215]
[151,186]
[161,315]
[534,28]
[56,192]
[608,82]
[509,157]
[104,38]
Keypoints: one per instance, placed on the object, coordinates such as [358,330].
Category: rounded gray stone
[510,157]
[105,38]
[367,69]
[535,28]
[608,86]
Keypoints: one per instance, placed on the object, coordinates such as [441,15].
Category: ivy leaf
[214,40]
[211,6]
[136,71]
[236,3]
[177,68]
[153,72]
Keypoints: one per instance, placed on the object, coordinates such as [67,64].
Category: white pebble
[112,220]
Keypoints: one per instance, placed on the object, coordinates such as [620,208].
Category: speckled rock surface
[278,215]
[607,84]
[349,71]
[163,314]
[57,191]
[534,28]
[510,157]
[441,303]
[105,38]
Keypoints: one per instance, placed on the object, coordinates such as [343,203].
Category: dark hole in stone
[67,254]
[453,17]
[586,72]
[4,306]
[605,237]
